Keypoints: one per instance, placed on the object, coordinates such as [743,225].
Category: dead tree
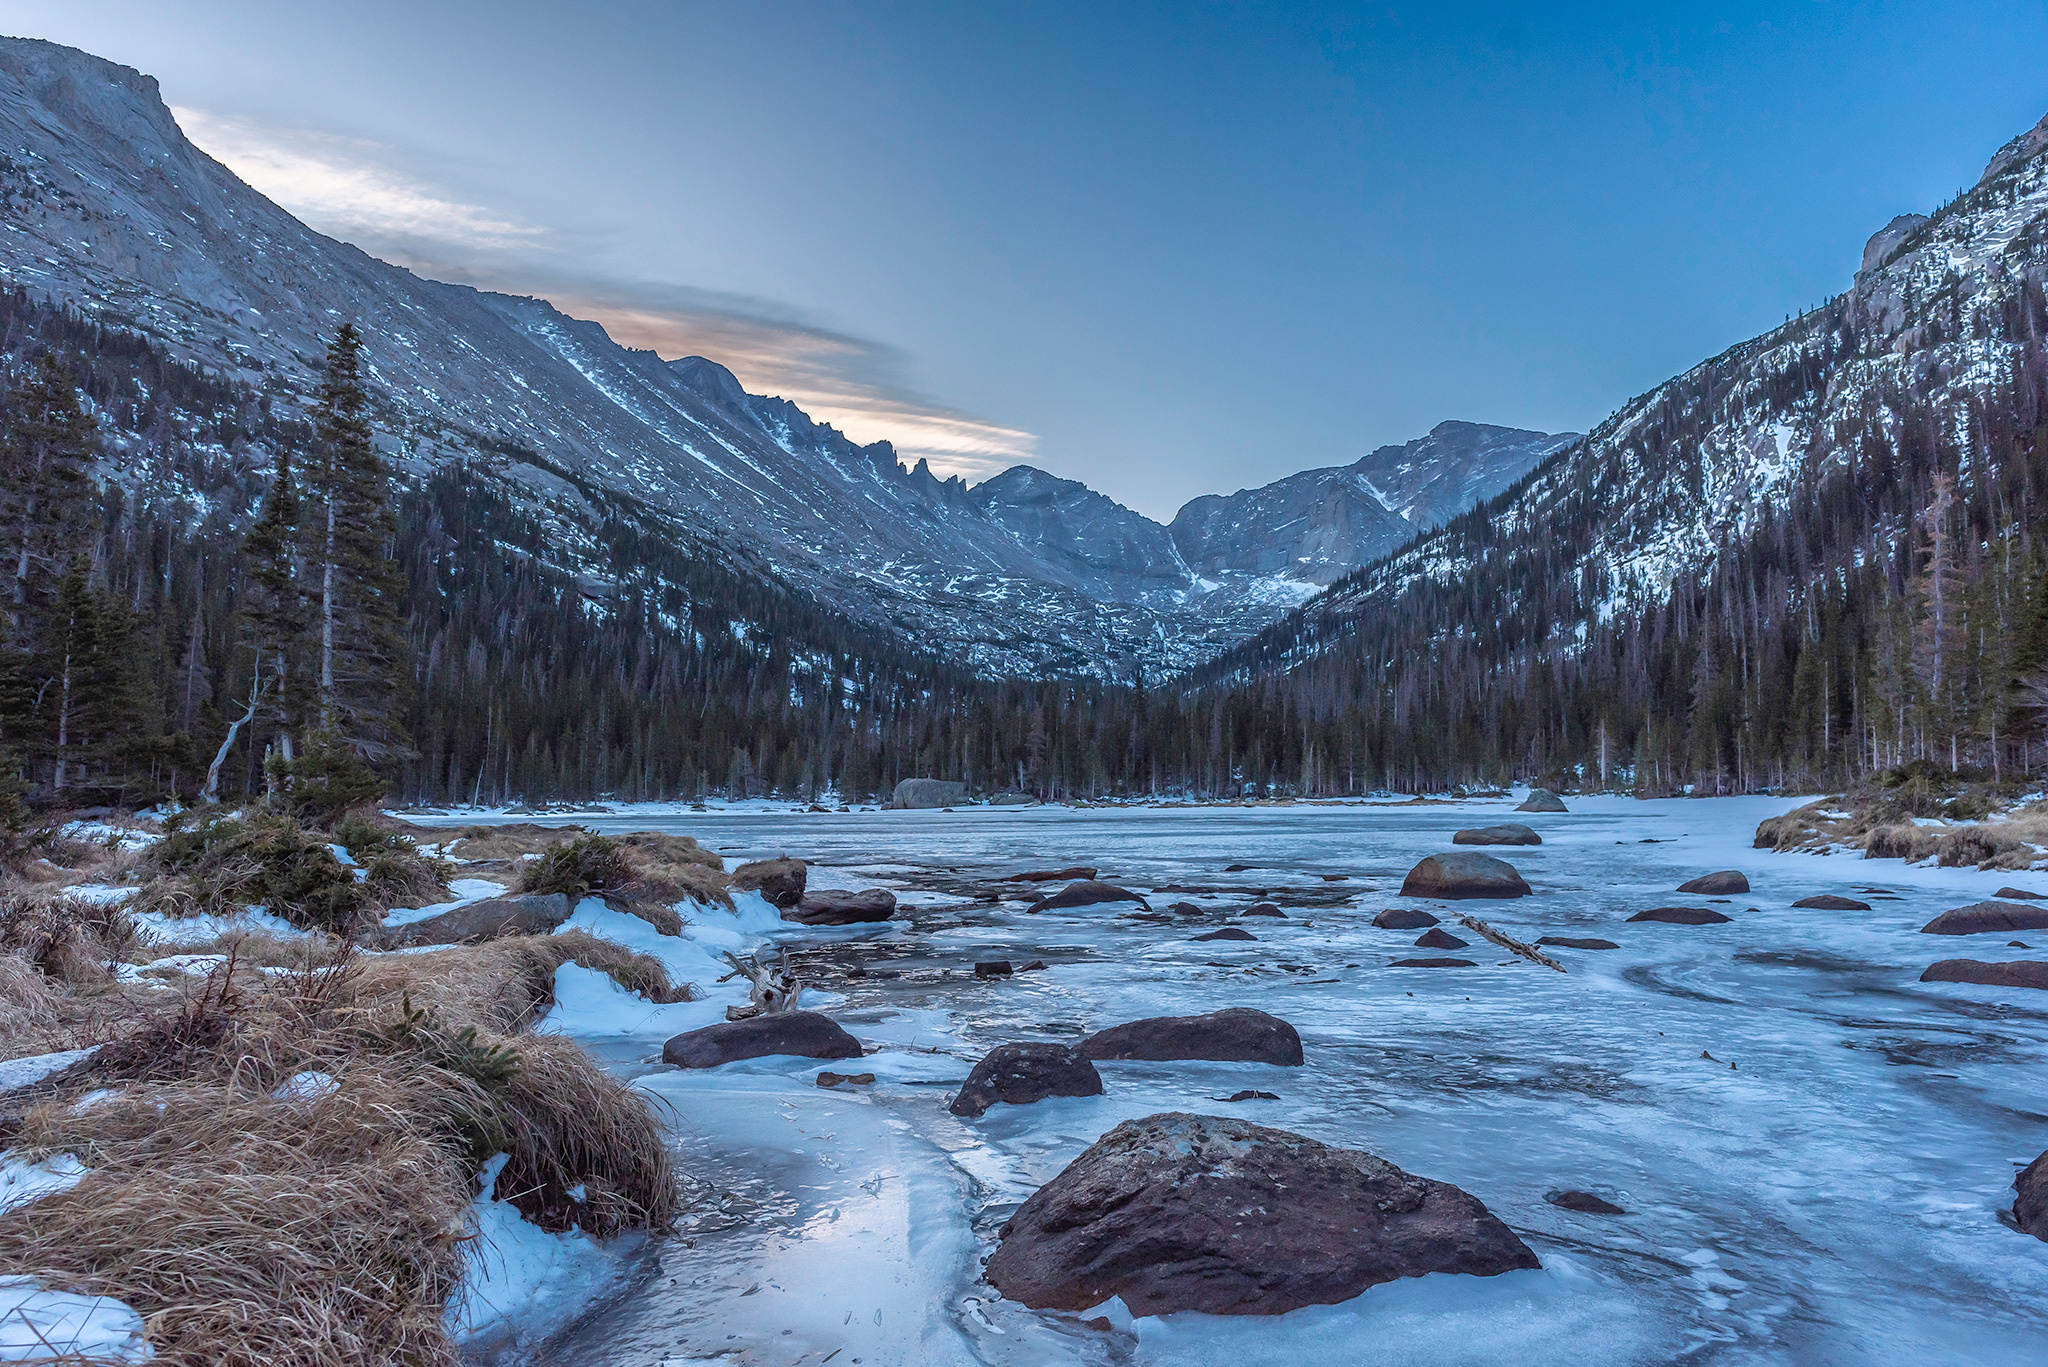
[1509,942]
[774,989]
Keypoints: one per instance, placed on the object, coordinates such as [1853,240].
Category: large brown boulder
[1023,1073]
[1983,918]
[1194,1212]
[1237,1034]
[2030,1210]
[530,913]
[1507,833]
[825,908]
[1087,893]
[1463,874]
[1726,883]
[1682,916]
[779,881]
[1542,800]
[2026,973]
[803,1033]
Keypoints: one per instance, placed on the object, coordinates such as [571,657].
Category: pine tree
[49,439]
[361,639]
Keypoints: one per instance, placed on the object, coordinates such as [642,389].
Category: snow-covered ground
[1812,1146]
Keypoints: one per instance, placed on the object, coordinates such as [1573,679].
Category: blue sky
[1166,250]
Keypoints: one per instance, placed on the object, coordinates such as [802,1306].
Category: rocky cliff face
[110,208]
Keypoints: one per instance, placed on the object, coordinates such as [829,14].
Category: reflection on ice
[1811,1146]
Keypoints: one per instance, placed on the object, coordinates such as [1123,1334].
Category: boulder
[1984,918]
[2028,973]
[1572,942]
[1051,875]
[1583,1201]
[1681,916]
[1184,908]
[993,968]
[2030,1210]
[1013,800]
[1263,909]
[846,1079]
[779,881]
[1237,1034]
[824,908]
[1511,833]
[1723,884]
[1227,933]
[532,913]
[1403,918]
[1437,938]
[1433,963]
[1542,800]
[1191,1212]
[1022,1073]
[803,1033]
[2020,893]
[1828,901]
[1087,893]
[1462,874]
[923,794]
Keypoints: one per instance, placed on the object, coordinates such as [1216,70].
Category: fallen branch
[1509,942]
[775,988]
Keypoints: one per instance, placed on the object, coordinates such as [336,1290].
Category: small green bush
[225,862]
[590,863]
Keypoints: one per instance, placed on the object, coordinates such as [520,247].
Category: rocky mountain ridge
[110,209]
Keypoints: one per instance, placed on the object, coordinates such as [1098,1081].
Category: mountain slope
[1771,555]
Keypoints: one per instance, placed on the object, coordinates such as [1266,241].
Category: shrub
[589,863]
[1975,846]
[325,780]
[228,862]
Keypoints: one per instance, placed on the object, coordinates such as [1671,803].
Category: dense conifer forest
[216,594]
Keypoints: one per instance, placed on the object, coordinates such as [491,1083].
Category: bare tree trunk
[327,622]
[209,793]
[775,988]
[63,718]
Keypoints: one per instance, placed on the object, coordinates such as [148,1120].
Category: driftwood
[775,987]
[1509,942]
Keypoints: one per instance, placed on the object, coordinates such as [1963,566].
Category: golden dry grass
[248,1227]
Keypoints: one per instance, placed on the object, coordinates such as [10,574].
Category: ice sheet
[1834,1195]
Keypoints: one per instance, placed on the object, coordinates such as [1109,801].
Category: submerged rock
[1087,893]
[1403,918]
[1574,942]
[1463,874]
[1190,1212]
[1051,875]
[1013,800]
[2024,974]
[993,968]
[1263,909]
[1018,1074]
[1681,916]
[823,908]
[1436,938]
[1433,963]
[926,793]
[1237,1034]
[530,913]
[2020,893]
[1828,901]
[1542,800]
[1583,1201]
[779,881]
[1227,933]
[803,1033]
[1722,884]
[2030,1209]
[1509,833]
[1983,918]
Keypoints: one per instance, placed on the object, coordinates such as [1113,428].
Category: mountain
[113,211]
[1319,525]
[1813,556]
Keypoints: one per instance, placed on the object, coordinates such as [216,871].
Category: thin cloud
[345,188]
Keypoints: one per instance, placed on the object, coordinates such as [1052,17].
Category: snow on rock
[21,1183]
[194,930]
[307,1086]
[466,890]
[41,1325]
[20,1072]
[520,1282]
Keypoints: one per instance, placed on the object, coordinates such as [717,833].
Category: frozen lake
[1813,1148]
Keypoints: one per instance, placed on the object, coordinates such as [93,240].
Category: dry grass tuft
[28,1006]
[514,841]
[66,938]
[644,873]
[1900,842]
[505,984]
[251,1230]
[1984,847]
